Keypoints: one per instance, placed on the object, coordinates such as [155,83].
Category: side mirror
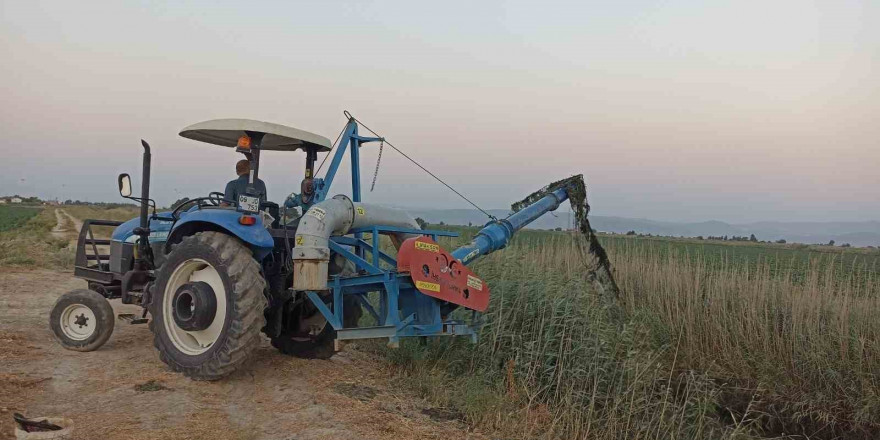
[124,185]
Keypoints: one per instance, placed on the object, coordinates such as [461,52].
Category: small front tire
[82,320]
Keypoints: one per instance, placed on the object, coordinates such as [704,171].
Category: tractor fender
[254,236]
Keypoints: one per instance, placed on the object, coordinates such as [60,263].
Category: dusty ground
[124,391]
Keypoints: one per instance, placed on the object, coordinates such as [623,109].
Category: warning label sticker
[474,282]
[317,213]
[430,247]
[361,211]
[433,287]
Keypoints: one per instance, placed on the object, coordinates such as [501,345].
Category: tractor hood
[159,229]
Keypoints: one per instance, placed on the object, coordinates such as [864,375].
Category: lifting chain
[378,160]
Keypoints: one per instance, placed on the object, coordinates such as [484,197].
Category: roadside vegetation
[733,343]
[112,212]
[31,243]
[27,240]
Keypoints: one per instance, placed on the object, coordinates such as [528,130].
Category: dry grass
[83,212]
[807,351]
[708,349]
[33,245]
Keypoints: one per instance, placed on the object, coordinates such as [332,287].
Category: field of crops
[25,238]
[12,217]
[719,341]
[793,260]
[30,243]
[715,340]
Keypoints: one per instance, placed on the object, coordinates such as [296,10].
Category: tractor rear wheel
[309,335]
[207,306]
[82,320]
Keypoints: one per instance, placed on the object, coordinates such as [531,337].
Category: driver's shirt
[238,187]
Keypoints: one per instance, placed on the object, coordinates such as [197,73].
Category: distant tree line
[751,238]
[179,202]
[24,200]
[33,200]
[101,204]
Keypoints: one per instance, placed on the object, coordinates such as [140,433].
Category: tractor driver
[239,186]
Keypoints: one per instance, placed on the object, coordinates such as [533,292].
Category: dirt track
[124,391]
[67,226]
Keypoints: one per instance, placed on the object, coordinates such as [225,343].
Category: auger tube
[496,234]
[337,216]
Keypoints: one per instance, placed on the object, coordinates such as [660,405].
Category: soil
[122,390]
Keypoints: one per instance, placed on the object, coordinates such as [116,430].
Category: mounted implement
[214,273]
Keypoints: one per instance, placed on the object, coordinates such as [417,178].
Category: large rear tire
[207,306]
[82,320]
[318,344]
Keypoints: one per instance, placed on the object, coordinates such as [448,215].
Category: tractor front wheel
[82,320]
[207,306]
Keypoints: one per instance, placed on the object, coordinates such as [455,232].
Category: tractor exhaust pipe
[337,216]
[145,186]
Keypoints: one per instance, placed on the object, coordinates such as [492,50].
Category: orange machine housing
[437,274]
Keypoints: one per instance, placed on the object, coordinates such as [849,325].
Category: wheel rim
[78,322]
[194,342]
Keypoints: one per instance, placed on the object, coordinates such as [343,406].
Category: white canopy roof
[276,137]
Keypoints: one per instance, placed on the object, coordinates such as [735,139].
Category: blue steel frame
[401,310]
[350,138]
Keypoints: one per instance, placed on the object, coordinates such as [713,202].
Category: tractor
[212,274]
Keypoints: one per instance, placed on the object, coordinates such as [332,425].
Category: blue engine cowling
[123,242]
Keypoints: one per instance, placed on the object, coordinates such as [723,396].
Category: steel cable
[420,166]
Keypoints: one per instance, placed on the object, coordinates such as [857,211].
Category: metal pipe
[497,234]
[336,216]
[145,186]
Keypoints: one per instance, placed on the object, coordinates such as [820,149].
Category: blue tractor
[213,274]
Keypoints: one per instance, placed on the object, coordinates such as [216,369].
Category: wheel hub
[82,320]
[178,314]
[77,322]
[194,306]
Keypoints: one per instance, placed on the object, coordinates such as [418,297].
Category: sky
[673,110]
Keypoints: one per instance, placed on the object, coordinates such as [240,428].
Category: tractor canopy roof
[226,132]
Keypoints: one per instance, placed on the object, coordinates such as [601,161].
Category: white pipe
[337,216]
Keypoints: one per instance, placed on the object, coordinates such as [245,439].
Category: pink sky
[737,111]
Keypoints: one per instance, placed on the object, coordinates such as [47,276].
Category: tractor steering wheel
[214,198]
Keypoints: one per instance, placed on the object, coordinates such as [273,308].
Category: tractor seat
[226,132]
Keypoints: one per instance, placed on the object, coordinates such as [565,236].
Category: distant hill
[855,233]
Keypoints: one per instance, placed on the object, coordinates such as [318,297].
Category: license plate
[248,203]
